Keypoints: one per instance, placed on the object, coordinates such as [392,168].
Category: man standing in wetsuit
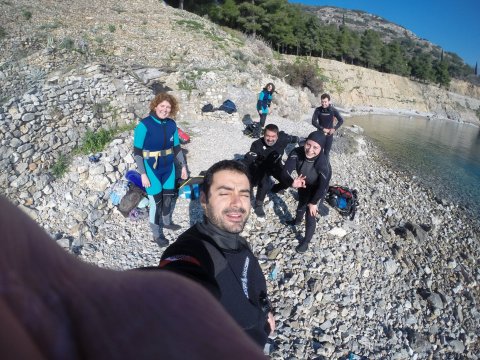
[265,159]
[214,254]
[323,119]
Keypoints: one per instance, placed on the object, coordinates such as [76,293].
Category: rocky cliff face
[359,89]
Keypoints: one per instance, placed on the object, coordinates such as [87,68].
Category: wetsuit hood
[224,239]
[319,137]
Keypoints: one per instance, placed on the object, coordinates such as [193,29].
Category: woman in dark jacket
[308,170]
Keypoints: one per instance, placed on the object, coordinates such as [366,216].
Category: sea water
[444,155]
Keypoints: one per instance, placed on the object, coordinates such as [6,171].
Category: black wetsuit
[225,265]
[318,173]
[323,118]
[264,161]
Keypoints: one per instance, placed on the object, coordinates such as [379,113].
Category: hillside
[359,21]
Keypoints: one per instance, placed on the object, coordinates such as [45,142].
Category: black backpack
[208,108]
[343,199]
[228,106]
[251,129]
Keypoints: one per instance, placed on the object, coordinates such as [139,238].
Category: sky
[452,25]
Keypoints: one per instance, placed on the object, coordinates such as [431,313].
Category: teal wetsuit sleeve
[139,135]
[138,140]
[176,140]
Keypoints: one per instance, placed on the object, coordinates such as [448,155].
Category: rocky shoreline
[400,281]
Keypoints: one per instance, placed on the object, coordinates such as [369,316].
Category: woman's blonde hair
[165,97]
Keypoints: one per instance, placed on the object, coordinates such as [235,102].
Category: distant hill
[359,21]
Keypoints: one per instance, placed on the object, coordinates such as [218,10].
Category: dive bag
[252,129]
[131,199]
[343,199]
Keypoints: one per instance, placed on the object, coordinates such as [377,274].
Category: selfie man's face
[228,202]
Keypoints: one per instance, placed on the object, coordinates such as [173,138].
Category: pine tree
[250,17]
[393,59]
[421,65]
[227,13]
[370,49]
[442,76]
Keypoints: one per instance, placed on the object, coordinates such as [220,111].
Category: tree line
[292,30]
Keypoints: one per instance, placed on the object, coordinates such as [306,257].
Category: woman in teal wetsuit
[263,104]
[156,147]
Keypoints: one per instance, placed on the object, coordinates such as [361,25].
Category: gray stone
[64,243]
[326,325]
[435,301]
[457,346]
[28,117]
[391,267]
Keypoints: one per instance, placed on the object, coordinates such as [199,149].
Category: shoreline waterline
[366,110]
[441,155]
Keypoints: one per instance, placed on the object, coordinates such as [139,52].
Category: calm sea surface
[444,155]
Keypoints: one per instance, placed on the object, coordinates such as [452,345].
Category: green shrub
[51,26]
[95,141]
[3,32]
[186,85]
[302,74]
[112,28]
[27,14]
[67,44]
[239,55]
[60,167]
[191,24]
[478,113]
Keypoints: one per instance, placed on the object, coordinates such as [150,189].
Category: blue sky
[453,25]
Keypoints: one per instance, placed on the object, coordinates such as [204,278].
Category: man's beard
[219,221]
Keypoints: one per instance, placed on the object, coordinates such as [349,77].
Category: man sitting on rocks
[215,255]
[265,159]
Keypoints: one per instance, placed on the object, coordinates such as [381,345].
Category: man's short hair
[272,127]
[231,165]
[325,96]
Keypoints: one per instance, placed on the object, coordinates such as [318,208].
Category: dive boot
[301,248]
[169,225]
[158,236]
